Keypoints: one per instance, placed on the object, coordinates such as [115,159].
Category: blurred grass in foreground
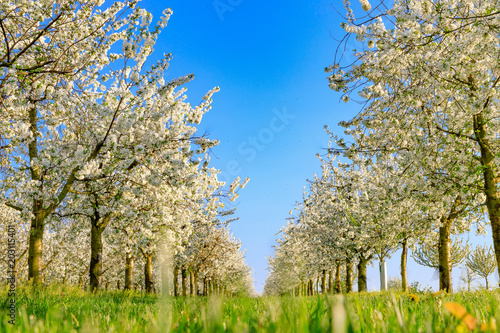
[70,310]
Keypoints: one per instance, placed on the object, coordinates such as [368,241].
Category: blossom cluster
[423,159]
[100,156]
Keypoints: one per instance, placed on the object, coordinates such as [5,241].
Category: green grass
[70,310]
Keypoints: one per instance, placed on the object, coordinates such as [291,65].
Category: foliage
[467,276]
[100,156]
[482,261]
[416,287]
[427,74]
[394,283]
[428,255]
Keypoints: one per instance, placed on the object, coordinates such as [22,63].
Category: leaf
[76,320]
[461,313]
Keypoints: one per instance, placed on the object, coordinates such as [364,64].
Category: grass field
[69,310]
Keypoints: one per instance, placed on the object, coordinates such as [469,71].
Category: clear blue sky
[268,58]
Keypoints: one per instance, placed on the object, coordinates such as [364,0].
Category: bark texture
[491,180]
[323,282]
[445,255]
[330,282]
[362,274]
[184,281]
[129,271]
[96,250]
[191,283]
[404,260]
[348,276]
[338,282]
[148,274]
[176,281]
[195,284]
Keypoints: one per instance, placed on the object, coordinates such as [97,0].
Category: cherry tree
[91,137]
[428,254]
[51,126]
[482,262]
[428,76]
[367,207]
[287,269]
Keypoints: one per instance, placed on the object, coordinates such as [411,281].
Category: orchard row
[103,173]
[420,162]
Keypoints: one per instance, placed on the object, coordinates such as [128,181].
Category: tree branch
[455,133]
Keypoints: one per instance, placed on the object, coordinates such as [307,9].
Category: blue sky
[268,58]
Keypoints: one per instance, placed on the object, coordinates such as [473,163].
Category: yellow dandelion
[413,297]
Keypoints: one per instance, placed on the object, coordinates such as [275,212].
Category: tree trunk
[490,181]
[35,249]
[176,281]
[494,213]
[191,283]
[486,279]
[362,274]
[404,260]
[96,250]
[348,276]
[184,282]
[35,252]
[445,255]
[338,283]
[323,282]
[129,271]
[148,274]
[330,282]
[195,284]
[39,211]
